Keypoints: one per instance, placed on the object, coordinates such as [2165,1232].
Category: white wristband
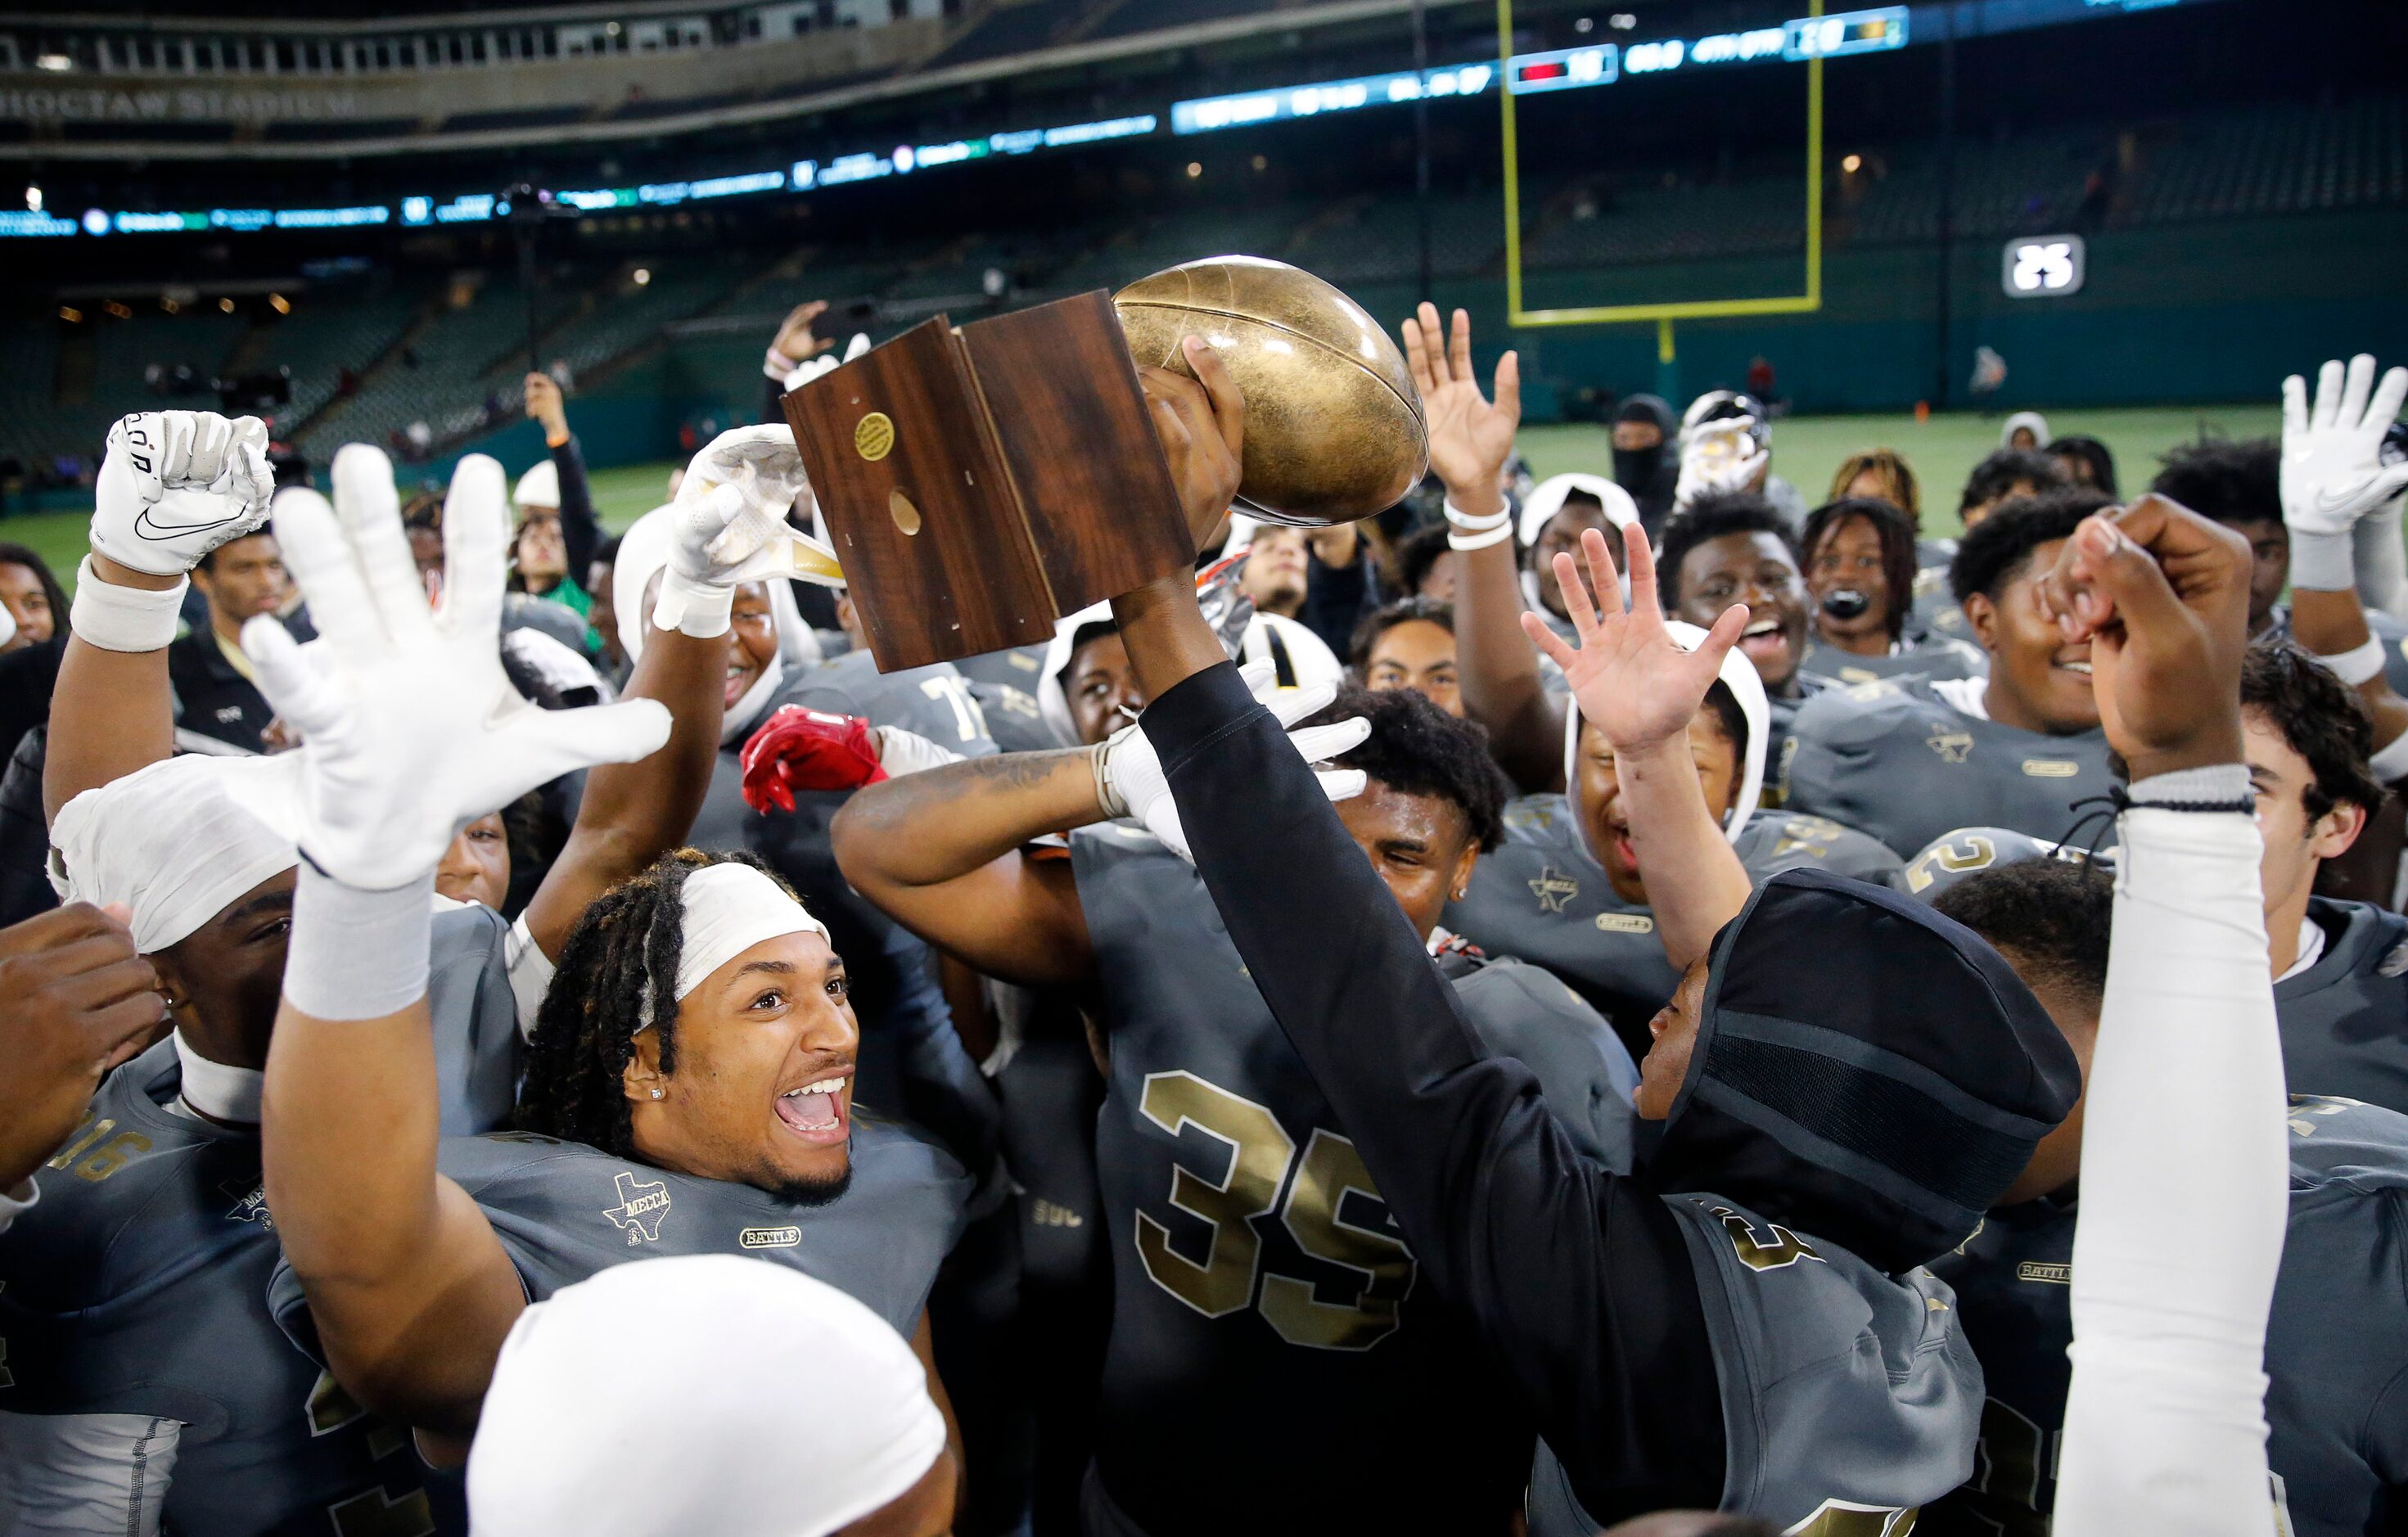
[901,751]
[696,609]
[2324,563]
[777,364]
[1461,519]
[128,619]
[357,954]
[2357,664]
[1456,540]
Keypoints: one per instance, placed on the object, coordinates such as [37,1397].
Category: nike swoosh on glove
[1131,783]
[2333,471]
[175,485]
[799,749]
[410,729]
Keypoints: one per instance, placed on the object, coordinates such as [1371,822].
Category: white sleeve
[530,971]
[85,1475]
[2184,1187]
[901,752]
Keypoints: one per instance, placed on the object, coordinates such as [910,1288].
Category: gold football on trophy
[1334,427]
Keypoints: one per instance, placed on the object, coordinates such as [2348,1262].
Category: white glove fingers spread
[369,509]
[545,744]
[315,552]
[2329,388]
[2357,387]
[289,680]
[476,547]
[2295,405]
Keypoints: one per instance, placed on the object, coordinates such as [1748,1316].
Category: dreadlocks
[617,976]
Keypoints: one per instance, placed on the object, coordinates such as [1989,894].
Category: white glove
[409,727]
[731,528]
[176,484]
[1131,784]
[2332,465]
[826,363]
[1720,457]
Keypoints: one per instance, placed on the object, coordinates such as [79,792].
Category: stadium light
[54,63]
[33,198]
[641,276]
[1853,164]
[279,303]
[225,306]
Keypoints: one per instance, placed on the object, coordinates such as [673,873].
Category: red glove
[798,749]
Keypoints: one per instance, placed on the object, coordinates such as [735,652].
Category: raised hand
[1720,457]
[731,527]
[409,727]
[794,339]
[2162,595]
[1470,436]
[175,485]
[1634,680]
[2333,472]
[1202,424]
[543,406]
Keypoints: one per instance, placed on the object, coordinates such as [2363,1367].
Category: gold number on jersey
[1261,1154]
[1974,852]
[1783,1249]
[2306,1105]
[376,1513]
[111,1157]
[969,719]
[1845,1518]
[1330,1169]
[87,1133]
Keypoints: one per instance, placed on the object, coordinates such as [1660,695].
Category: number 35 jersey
[1273,1364]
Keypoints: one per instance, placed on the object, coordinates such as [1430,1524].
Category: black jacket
[213,701]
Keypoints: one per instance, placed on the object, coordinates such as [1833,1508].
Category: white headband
[1548,497]
[171,843]
[729,908]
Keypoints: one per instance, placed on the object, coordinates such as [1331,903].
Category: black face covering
[1649,474]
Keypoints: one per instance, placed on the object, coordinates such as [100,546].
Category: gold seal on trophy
[1334,426]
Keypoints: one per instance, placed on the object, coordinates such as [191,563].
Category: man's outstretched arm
[1577,1279]
[410,730]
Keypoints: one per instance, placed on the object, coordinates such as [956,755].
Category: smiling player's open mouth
[816,1111]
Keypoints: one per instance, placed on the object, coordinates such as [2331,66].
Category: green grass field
[1806,451]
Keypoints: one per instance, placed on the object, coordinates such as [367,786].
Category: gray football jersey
[1544,899]
[1895,760]
[1937,657]
[475,1017]
[1843,1391]
[934,701]
[137,1284]
[2336,1339]
[563,1211]
[2344,1020]
[1017,667]
[1267,1324]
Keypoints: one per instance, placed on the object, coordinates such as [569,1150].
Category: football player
[1907,759]
[688,1086]
[1628,1319]
[1553,517]
[1267,1323]
[1860,563]
[2339,992]
[1409,643]
[2004,475]
[2177,1244]
[1733,547]
[2337,1340]
[1567,892]
[155,1232]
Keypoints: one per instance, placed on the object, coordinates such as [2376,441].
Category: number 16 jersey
[1274,1362]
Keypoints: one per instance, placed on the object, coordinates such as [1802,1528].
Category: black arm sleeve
[1579,1279]
[578,529]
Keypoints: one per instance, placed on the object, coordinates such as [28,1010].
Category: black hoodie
[1814,1099]
[1651,475]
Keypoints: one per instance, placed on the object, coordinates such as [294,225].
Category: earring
[656,1094]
